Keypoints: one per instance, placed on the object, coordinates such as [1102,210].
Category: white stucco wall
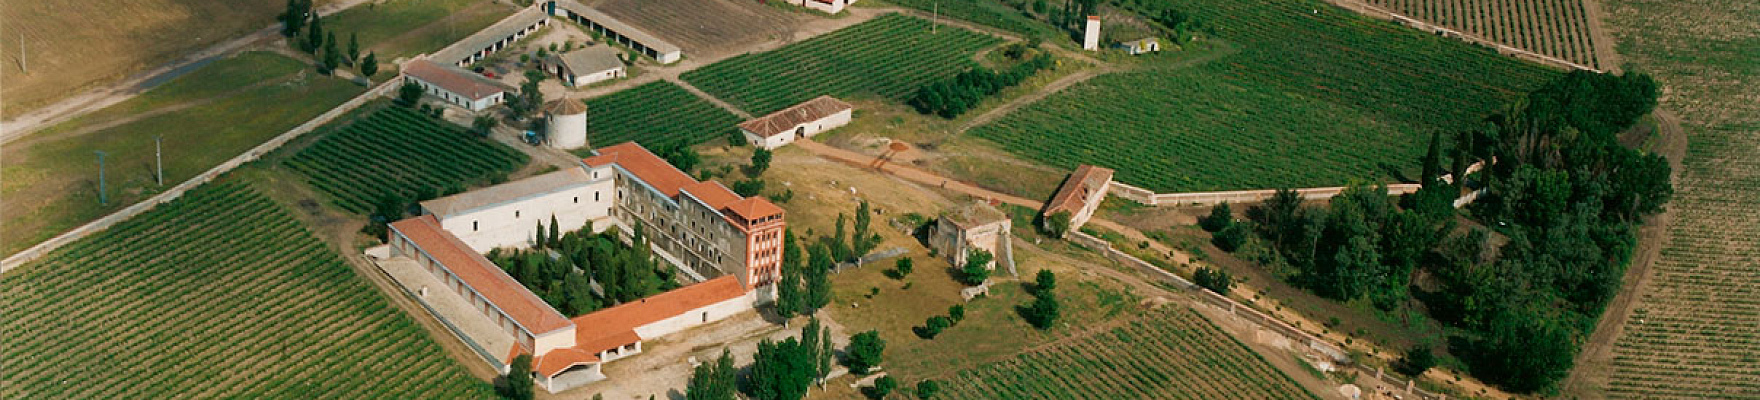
[668,58]
[833,8]
[560,338]
[694,318]
[515,223]
[596,77]
[457,99]
[810,129]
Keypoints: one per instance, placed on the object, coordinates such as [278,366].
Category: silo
[566,123]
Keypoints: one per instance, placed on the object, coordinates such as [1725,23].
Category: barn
[455,85]
[827,6]
[801,121]
[586,66]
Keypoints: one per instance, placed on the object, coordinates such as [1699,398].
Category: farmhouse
[1079,195]
[653,46]
[728,244]
[974,226]
[801,121]
[455,85]
[503,33]
[827,6]
[586,66]
[1140,46]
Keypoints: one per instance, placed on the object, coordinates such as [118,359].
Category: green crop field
[221,293]
[657,115]
[396,151]
[987,12]
[890,56]
[1310,99]
[1172,353]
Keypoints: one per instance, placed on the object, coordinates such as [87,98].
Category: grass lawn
[206,117]
[402,28]
[222,293]
[1316,96]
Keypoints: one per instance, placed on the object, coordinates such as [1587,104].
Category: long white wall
[698,317]
[515,223]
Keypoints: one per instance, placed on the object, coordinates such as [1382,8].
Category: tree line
[1525,277]
[321,44]
[951,97]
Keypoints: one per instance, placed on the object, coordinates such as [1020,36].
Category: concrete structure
[503,33]
[628,35]
[1140,46]
[701,227]
[1091,34]
[800,121]
[455,85]
[565,124]
[586,66]
[1079,195]
[974,226]
[827,6]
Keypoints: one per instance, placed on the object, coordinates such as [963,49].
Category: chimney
[1091,39]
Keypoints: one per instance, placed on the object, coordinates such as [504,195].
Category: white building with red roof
[827,6]
[729,245]
[801,121]
[455,85]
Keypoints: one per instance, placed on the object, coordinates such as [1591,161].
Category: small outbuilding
[801,121]
[565,123]
[974,226]
[586,66]
[1079,196]
[827,6]
[455,85]
[1140,46]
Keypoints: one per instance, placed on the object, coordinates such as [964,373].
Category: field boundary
[1414,23]
[40,249]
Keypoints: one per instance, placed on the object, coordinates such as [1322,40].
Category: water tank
[566,123]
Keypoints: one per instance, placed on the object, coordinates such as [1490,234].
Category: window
[595,195]
[473,226]
[577,199]
[516,213]
[705,316]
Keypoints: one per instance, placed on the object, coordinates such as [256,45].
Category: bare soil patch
[705,28]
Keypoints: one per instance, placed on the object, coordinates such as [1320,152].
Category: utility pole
[935,17]
[158,163]
[22,63]
[102,200]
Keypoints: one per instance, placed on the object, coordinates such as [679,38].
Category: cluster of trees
[517,383]
[951,97]
[624,272]
[1182,27]
[1075,13]
[717,380]
[865,352]
[529,100]
[785,370]
[1044,309]
[977,267]
[299,17]
[1216,280]
[934,325]
[805,286]
[1554,229]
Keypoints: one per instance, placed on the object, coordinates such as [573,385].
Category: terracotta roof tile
[752,208]
[520,304]
[565,107]
[783,121]
[454,79]
[712,194]
[618,323]
[558,360]
[643,164]
[1075,190]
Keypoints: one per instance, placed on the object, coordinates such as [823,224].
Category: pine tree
[541,240]
[332,57]
[861,240]
[789,297]
[354,49]
[818,277]
[369,66]
[555,232]
[314,35]
[1432,160]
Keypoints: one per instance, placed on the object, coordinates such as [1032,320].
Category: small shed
[801,121]
[586,66]
[1140,46]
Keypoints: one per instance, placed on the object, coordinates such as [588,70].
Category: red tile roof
[643,164]
[1075,190]
[484,277]
[616,326]
[454,79]
[783,121]
[712,194]
[558,360]
[752,208]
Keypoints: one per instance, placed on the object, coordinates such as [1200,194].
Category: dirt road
[911,173]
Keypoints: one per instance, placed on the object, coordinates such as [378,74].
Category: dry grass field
[70,45]
[1557,28]
[705,26]
[1694,326]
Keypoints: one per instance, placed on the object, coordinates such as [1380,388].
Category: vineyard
[704,26]
[987,12]
[1169,354]
[1694,329]
[1311,99]
[221,293]
[890,56]
[1558,28]
[656,115]
[397,152]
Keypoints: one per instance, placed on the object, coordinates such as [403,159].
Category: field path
[911,173]
[109,95]
[1033,97]
[706,96]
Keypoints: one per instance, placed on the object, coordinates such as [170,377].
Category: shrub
[932,327]
[1220,217]
[977,267]
[1044,281]
[1043,312]
[881,388]
[956,312]
[865,351]
[927,388]
[1416,360]
[1230,238]
[1215,280]
[409,94]
[1057,224]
